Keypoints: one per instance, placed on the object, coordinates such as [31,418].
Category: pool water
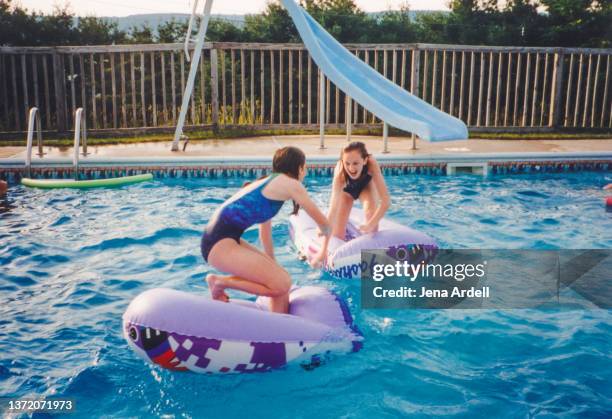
[72,261]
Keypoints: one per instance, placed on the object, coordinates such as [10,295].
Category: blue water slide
[388,101]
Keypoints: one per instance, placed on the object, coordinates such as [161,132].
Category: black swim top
[354,187]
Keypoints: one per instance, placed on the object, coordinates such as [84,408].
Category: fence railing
[141,86]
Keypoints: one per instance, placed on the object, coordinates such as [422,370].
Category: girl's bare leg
[368,198]
[345,204]
[251,271]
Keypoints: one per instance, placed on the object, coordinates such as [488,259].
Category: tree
[57,28]
[579,23]
[273,25]
[15,24]
[142,34]
[395,26]
[433,27]
[342,19]
[522,24]
[223,30]
[95,31]
[20,27]
[172,31]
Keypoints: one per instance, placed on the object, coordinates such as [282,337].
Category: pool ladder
[80,130]
[33,121]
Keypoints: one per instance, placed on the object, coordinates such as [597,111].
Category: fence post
[414,81]
[555,97]
[60,91]
[214,81]
[321,110]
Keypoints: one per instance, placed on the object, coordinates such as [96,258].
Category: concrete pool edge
[13,169]
[401,158]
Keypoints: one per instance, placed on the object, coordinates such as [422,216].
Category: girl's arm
[335,194]
[300,195]
[265,236]
[383,193]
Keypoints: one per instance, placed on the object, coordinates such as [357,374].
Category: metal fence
[122,87]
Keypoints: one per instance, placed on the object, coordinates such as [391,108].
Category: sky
[122,8]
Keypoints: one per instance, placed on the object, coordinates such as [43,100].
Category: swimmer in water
[357,175]
[250,269]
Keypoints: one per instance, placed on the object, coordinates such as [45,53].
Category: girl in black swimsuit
[357,175]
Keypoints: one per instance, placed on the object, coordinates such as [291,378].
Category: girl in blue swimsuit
[251,270]
[357,175]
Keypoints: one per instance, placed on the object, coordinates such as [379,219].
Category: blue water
[72,261]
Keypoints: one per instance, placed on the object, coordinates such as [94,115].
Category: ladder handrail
[193,69]
[80,129]
[189,29]
[33,117]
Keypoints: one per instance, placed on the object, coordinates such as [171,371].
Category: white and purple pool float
[344,256]
[186,332]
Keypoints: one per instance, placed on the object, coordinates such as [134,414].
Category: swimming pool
[72,260]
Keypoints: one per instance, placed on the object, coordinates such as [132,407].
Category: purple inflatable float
[186,332]
[344,256]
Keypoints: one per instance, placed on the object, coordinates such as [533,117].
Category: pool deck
[265,146]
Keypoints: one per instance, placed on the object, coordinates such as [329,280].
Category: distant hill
[154,20]
[413,13]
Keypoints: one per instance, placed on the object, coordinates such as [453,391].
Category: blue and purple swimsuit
[237,214]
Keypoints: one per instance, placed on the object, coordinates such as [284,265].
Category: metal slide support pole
[349,118]
[385,138]
[195,60]
[322,111]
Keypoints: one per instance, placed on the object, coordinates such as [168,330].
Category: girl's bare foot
[216,291]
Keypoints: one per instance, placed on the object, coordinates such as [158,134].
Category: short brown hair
[289,160]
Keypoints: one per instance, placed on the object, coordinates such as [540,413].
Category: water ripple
[123,242]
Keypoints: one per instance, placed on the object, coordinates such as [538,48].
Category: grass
[242,132]
[542,136]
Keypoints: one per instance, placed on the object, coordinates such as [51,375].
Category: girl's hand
[318,260]
[368,227]
[324,231]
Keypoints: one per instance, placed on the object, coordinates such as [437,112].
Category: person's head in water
[3,187]
[354,158]
[290,161]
